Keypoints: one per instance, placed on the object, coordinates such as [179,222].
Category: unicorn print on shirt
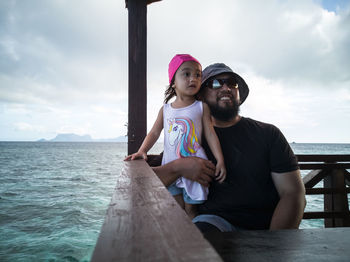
[182,135]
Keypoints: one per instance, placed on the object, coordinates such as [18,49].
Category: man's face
[223,101]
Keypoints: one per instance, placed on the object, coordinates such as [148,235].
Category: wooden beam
[314,177]
[347,177]
[324,191]
[323,158]
[137,119]
[318,215]
[145,223]
[148,2]
[309,166]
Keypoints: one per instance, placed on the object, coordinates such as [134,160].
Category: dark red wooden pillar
[137,120]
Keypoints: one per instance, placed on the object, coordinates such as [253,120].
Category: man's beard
[224,113]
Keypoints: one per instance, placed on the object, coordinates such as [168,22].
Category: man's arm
[193,168]
[290,209]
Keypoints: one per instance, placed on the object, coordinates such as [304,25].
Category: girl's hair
[169,92]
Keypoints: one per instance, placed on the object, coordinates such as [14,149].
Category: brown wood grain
[332,170]
[144,223]
[310,162]
[309,166]
[330,214]
[314,177]
[323,158]
[307,245]
[336,202]
[323,191]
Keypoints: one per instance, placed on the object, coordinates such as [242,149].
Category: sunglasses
[218,83]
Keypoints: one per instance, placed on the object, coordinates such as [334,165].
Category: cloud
[21,126]
[75,28]
[61,52]
[64,64]
[282,40]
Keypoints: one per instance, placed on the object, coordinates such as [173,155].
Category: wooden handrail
[309,166]
[323,158]
[320,191]
[144,223]
[308,162]
[325,214]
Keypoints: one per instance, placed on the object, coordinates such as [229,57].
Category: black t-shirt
[252,150]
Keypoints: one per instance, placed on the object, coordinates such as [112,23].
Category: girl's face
[188,79]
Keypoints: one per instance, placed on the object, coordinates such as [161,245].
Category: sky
[64,64]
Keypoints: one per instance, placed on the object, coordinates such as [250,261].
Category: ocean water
[54,196]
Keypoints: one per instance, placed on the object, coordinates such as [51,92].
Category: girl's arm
[213,143]
[150,139]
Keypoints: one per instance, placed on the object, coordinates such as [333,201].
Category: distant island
[83,138]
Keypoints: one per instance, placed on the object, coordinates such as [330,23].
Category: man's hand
[193,168]
[197,169]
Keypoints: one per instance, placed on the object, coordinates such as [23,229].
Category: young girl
[183,121]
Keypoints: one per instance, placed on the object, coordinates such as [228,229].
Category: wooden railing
[336,180]
[144,223]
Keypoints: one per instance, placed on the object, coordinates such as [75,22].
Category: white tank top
[182,138]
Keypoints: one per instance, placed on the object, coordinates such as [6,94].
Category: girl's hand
[220,172]
[137,155]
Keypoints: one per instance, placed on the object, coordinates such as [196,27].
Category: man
[263,187]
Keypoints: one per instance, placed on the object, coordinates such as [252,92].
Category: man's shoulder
[257,124]
[269,131]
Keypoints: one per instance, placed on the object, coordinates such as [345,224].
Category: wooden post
[336,201]
[137,120]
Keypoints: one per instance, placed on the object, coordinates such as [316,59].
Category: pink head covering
[177,61]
